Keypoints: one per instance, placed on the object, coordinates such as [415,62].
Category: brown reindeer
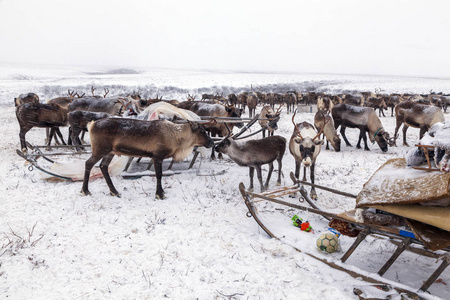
[377,103]
[416,115]
[366,120]
[324,122]
[159,139]
[31,115]
[290,99]
[252,102]
[305,146]
[254,154]
[324,103]
[267,116]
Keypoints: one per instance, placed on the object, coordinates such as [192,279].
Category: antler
[78,96]
[71,94]
[106,92]
[92,90]
[279,109]
[295,126]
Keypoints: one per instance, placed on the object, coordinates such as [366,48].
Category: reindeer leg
[297,169]
[280,164]
[269,175]
[304,173]
[405,127]
[104,168]
[361,133]
[87,171]
[158,170]
[23,144]
[58,132]
[47,134]
[251,173]
[313,190]
[327,147]
[422,132]
[344,136]
[52,133]
[259,174]
[364,137]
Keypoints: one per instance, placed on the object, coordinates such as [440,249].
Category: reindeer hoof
[85,193]
[278,183]
[117,194]
[162,197]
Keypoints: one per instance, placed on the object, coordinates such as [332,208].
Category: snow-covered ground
[197,243]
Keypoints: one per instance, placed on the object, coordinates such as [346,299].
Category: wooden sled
[403,239]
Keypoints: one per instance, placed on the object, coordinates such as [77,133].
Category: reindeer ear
[297,140]
[319,142]
[194,125]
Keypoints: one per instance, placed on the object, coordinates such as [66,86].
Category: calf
[305,147]
[159,139]
[366,120]
[416,115]
[254,154]
[324,122]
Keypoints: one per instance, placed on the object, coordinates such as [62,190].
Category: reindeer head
[308,146]
[384,140]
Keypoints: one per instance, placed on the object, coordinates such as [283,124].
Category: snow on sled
[407,235]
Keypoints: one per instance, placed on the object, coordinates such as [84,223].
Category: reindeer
[78,121]
[416,115]
[31,115]
[242,100]
[366,120]
[266,116]
[290,99]
[216,110]
[26,98]
[324,122]
[377,103]
[252,102]
[232,99]
[159,139]
[324,104]
[254,154]
[207,97]
[305,147]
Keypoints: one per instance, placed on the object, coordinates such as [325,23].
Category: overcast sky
[352,37]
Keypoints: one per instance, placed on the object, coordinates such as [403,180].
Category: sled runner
[413,237]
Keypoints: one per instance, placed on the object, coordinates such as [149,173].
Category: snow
[198,243]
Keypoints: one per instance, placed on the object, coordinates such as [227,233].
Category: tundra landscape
[197,243]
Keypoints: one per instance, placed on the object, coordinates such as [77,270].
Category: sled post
[150,164]
[130,159]
[171,165]
[435,275]
[193,159]
[400,248]
[361,236]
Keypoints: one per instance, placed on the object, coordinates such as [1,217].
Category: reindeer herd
[132,126]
